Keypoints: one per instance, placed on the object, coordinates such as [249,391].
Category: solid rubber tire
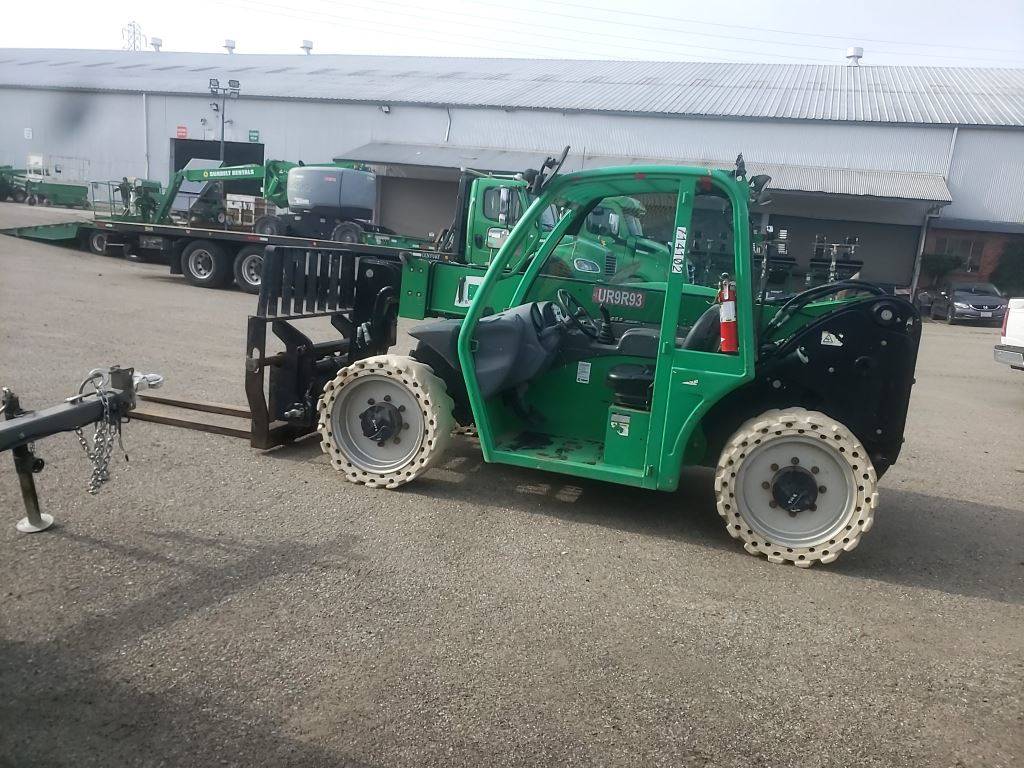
[426,388]
[775,424]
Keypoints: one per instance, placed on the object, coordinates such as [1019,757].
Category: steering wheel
[576,314]
[804,298]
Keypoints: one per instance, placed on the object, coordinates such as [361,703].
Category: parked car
[1010,349]
[969,302]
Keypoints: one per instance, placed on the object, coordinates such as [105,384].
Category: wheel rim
[99,242]
[769,478]
[390,407]
[252,269]
[200,263]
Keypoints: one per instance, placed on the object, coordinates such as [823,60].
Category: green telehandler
[800,407]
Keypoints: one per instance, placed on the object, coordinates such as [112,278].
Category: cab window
[492,205]
[621,240]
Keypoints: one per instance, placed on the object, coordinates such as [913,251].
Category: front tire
[204,263]
[796,486]
[385,420]
[248,268]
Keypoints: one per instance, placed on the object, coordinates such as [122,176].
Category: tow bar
[106,405]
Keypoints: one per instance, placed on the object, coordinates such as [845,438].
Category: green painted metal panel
[47,232]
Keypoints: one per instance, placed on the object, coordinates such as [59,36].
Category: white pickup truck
[1010,350]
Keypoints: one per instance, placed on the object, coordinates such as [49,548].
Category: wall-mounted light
[156,42]
[307,46]
[229,45]
[385,109]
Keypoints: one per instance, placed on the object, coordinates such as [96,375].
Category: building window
[968,249]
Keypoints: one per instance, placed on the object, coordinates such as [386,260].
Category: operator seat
[706,334]
[633,383]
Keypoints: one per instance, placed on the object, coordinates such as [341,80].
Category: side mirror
[504,205]
[496,237]
[613,224]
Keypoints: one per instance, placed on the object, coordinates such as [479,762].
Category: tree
[936,266]
[1008,276]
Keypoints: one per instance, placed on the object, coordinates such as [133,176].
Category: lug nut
[401,409]
[766,485]
[794,460]
[387,398]
[815,470]
[371,401]
[773,504]
[398,440]
[822,489]
[792,513]
[380,444]
[775,467]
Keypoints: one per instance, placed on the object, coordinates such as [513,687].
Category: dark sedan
[969,302]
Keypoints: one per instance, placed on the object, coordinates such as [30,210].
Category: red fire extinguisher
[727,315]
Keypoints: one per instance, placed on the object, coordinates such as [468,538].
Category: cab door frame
[688,383]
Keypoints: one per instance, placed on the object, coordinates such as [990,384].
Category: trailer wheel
[204,263]
[796,486]
[385,420]
[19,196]
[269,225]
[249,268]
[347,232]
[32,200]
[96,242]
[45,201]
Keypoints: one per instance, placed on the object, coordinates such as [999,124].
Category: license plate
[986,314]
[619,297]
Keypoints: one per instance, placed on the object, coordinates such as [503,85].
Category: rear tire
[204,263]
[32,200]
[347,232]
[96,242]
[831,484]
[19,196]
[400,398]
[269,225]
[248,268]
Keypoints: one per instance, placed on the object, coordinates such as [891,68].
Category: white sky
[987,33]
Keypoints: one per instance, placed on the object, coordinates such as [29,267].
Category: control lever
[605,335]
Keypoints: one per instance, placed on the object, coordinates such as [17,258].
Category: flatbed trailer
[206,257]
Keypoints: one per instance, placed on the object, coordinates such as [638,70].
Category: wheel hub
[795,489]
[381,421]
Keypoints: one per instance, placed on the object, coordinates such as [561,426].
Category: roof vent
[853,55]
[307,46]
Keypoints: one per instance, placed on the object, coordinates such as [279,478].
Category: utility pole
[225,92]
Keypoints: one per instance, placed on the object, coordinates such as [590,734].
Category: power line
[846,38]
[489,26]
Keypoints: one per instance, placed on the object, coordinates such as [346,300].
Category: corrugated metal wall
[107,129]
[986,176]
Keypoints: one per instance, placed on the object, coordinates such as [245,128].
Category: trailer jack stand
[26,463]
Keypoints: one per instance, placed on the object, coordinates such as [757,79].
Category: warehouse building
[903,158]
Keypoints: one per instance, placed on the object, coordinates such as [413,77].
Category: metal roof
[889,94]
[903,185]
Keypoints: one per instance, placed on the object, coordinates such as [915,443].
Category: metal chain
[102,438]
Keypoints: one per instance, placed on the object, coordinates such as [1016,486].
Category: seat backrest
[705,335]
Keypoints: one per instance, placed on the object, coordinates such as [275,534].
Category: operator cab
[569,371]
